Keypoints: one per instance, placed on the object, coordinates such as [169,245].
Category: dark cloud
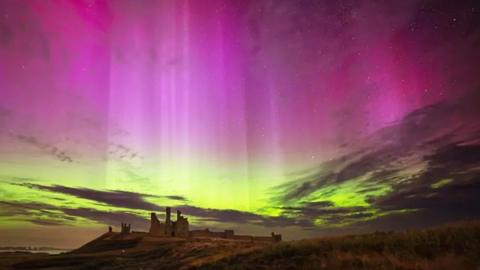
[42,214]
[48,215]
[326,211]
[319,204]
[303,189]
[442,139]
[36,213]
[109,218]
[455,163]
[44,222]
[122,152]
[458,157]
[235,216]
[11,210]
[133,200]
[47,148]
[175,197]
[26,205]
[323,212]
[123,199]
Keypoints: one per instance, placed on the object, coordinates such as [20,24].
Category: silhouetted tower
[126,228]
[168,222]
[167,218]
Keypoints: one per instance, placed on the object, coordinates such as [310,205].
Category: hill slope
[140,251]
[449,247]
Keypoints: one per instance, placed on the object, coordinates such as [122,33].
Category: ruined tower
[126,228]
[168,211]
[180,227]
[168,222]
[156,227]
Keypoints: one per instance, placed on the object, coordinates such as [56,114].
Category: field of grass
[453,247]
[132,253]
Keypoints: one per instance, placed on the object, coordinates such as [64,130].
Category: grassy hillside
[454,247]
[449,247]
[112,252]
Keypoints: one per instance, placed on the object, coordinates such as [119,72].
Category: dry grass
[449,247]
[455,247]
[7,259]
[140,253]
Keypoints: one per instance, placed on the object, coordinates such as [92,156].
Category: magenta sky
[216,101]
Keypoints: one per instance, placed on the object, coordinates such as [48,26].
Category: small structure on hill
[125,228]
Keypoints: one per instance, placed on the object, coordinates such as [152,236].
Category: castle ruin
[180,228]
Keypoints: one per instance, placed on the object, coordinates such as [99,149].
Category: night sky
[306,118]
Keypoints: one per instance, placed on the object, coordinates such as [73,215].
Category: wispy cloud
[49,215]
[390,180]
[393,173]
[110,218]
[130,200]
[114,198]
[52,150]
[241,217]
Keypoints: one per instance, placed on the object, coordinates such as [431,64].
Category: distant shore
[49,250]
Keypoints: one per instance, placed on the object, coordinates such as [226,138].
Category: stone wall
[230,234]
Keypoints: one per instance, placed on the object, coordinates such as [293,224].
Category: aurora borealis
[303,117]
